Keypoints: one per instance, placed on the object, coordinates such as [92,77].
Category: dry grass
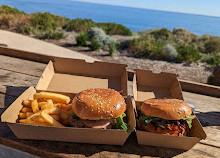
[14,22]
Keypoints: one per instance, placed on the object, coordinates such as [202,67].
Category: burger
[98,108]
[165,116]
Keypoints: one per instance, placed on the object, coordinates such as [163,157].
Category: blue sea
[133,18]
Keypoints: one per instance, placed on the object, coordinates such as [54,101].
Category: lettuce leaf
[74,115]
[189,120]
[148,119]
[120,124]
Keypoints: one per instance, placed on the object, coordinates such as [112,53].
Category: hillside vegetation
[50,26]
[178,45]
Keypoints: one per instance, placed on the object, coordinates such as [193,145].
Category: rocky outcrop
[214,79]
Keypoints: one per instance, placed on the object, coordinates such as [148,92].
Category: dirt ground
[192,72]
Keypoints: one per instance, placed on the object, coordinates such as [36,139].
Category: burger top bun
[96,104]
[169,109]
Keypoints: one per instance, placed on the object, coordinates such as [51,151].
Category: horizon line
[215,16]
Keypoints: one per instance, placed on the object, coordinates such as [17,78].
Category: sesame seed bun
[96,104]
[169,109]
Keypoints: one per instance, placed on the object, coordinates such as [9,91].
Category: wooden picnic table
[16,75]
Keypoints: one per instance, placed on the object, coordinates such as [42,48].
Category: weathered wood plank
[202,103]
[21,65]
[13,83]
[211,126]
[213,136]
[34,49]
[5,101]
[201,151]
[27,148]
[130,149]
[200,88]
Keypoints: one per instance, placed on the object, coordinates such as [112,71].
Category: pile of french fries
[47,109]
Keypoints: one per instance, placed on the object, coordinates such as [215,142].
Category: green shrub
[99,35]
[155,49]
[52,34]
[124,44]
[149,48]
[212,59]
[213,45]
[79,25]
[81,39]
[95,45]
[112,49]
[138,47]
[162,34]
[184,36]
[29,30]
[43,21]
[115,29]
[6,9]
[170,52]
[187,53]
[60,20]
[83,25]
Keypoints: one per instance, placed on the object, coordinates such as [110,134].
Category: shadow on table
[8,100]
[130,147]
[209,118]
[12,93]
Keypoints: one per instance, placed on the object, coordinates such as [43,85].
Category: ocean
[133,18]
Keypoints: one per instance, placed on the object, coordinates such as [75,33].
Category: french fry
[22,120]
[55,97]
[53,110]
[39,119]
[56,104]
[27,103]
[41,103]
[49,103]
[55,117]
[22,115]
[46,110]
[34,106]
[44,106]
[33,117]
[25,110]
[65,106]
[47,118]
[42,100]
[29,114]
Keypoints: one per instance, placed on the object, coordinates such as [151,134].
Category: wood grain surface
[18,74]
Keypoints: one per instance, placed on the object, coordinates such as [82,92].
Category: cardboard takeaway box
[70,76]
[164,85]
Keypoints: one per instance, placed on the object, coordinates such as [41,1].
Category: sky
[202,7]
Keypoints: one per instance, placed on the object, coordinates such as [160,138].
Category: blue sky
[203,7]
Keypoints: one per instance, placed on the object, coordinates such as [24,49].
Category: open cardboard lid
[155,85]
[148,85]
[74,75]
